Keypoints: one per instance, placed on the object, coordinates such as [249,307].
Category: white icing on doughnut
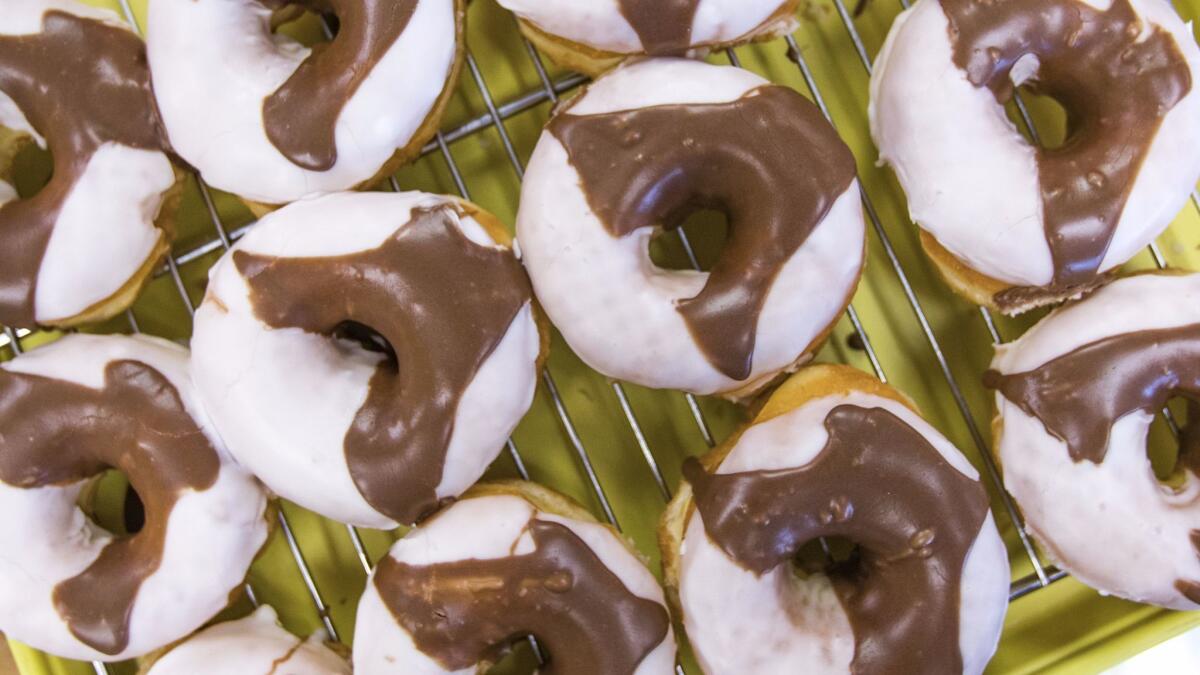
[788,620]
[1111,525]
[971,178]
[212,536]
[487,528]
[105,230]
[7,193]
[284,399]
[601,25]
[215,61]
[254,645]
[627,326]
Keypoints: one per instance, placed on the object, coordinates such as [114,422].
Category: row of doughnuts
[302,295]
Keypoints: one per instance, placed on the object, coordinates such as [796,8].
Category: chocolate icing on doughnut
[664,26]
[58,432]
[301,116]
[769,161]
[81,83]
[460,613]
[1117,86]
[882,485]
[1080,395]
[441,301]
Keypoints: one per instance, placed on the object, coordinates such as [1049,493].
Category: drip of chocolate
[81,83]
[880,484]
[441,301]
[1079,396]
[461,613]
[1116,87]
[663,26]
[769,161]
[301,116]
[57,433]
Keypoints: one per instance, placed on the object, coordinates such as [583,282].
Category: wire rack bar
[988,461]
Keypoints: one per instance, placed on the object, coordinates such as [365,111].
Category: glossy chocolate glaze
[301,116]
[880,484]
[57,433]
[1079,396]
[81,83]
[585,619]
[769,161]
[1116,84]
[441,301]
[663,26]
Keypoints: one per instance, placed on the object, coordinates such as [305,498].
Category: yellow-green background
[1063,628]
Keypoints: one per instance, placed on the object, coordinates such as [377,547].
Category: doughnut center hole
[305,23]
[519,659]
[111,502]
[1174,443]
[696,242]
[361,336]
[31,169]
[1050,118]
[823,556]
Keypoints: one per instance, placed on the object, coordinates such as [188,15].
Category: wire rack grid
[496,117]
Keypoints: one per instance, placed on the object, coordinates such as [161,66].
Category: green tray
[618,448]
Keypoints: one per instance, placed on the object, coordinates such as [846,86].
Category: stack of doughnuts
[365,355]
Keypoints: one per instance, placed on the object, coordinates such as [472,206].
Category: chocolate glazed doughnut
[924,590]
[594,35]
[273,121]
[766,158]
[1125,76]
[443,307]
[79,85]
[526,562]
[1076,396]
[70,411]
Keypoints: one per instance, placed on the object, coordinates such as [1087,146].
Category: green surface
[1065,627]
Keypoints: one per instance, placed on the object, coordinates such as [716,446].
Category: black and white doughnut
[73,79]
[375,436]
[255,645]
[1010,224]
[1076,396]
[70,411]
[641,149]
[263,117]
[835,453]
[511,560]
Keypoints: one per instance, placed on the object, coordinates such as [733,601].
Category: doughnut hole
[1048,115]
[706,231]
[824,556]
[361,336]
[305,23]
[31,169]
[111,502]
[1174,446]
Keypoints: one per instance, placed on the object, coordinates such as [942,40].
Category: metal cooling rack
[496,116]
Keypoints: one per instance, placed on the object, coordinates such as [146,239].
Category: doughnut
[265,118]
[70,411]
[836,453]
[368,371]
[1011,225]
[74,80]
[641,149]
[254,645]
[592,36]
[510,560]
[1075,398]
